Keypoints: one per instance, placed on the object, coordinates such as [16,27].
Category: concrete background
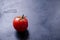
[43,17]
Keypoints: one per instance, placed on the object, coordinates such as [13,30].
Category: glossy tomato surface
[20,23]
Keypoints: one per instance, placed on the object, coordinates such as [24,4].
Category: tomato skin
[20,24]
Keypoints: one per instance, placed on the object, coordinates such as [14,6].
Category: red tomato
[20,23]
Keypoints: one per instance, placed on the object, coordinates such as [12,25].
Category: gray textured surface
[43,16]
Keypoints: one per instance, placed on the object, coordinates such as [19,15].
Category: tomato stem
[22,16]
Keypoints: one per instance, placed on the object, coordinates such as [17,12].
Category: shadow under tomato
[22,35]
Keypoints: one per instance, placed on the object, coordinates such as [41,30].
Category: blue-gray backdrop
[43,17]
